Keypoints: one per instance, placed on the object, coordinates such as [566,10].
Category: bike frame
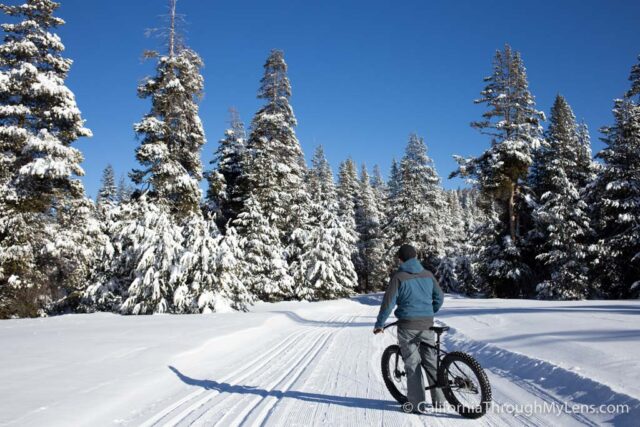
[439,355]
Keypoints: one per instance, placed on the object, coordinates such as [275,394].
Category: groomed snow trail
[324,370]
[311,364]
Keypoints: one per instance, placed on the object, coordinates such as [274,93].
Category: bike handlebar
[390,325]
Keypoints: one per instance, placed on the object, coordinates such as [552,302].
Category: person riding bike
[418,296]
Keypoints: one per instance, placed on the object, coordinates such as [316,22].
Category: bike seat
[439,329]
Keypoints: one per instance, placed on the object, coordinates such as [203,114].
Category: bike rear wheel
[465,384]
[393,373]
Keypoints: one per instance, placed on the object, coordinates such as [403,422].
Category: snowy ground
[313,364]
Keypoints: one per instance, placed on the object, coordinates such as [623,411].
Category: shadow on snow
[346,401]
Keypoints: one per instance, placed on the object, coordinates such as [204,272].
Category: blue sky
[364,73]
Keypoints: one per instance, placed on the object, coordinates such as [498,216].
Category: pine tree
[381,190]
[211,268]
[561,224]
[124,191]
[453,223]
[226,189]
[172,134]
[347,191]
[229,287]
[275,168]
[371,245]
[103,292]
[108,193]
[324,269]
[151,247]
[616,193]
[39,189]
[394,184]
[414,216]
[585,171]
[447,274]
[513,124]
[264,266]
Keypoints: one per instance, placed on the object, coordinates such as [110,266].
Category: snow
[300,363]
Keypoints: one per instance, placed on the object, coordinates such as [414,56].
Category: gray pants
[409,341]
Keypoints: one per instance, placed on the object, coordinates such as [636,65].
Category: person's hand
[377,331]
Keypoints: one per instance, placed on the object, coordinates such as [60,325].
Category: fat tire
[485,387]
[387,375]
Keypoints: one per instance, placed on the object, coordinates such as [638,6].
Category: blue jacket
[417,294]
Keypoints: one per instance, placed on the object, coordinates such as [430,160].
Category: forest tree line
[541,219]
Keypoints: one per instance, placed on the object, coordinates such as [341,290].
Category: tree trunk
[512,213]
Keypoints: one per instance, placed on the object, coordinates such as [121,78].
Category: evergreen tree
[561,224]
[447,274]
[124,191]
[453,223]
[616,193]
[371,245]
[39,190]
[264,267]
[324,269]
[108,193]
[228,261]
[513,124]
[347,192]
[211,267]
[381,191]
[226,190]
[275,168]
[414,216]
[150,246]
[585,171]
[394,184]
[172,134]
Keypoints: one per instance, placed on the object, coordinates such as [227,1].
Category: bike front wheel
[465,384]
[393,373]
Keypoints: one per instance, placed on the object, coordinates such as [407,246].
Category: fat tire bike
[463,381]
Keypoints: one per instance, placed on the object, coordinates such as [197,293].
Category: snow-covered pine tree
[451,218]
[102,292]
[150,247]
[472,217]
[616,193]
[513,124]
[229,288]
[226,191]
[275,168]
[124,191]
[371,244]
[381,191]
[347,192]
[264,267]
[211,267]
[561,229]
[172,134]
[39,120]
[394,185]
[415,209]
[447,274]
[324,269]
[108,192]
[586,168]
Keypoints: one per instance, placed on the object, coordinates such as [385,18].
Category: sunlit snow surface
[311,364]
